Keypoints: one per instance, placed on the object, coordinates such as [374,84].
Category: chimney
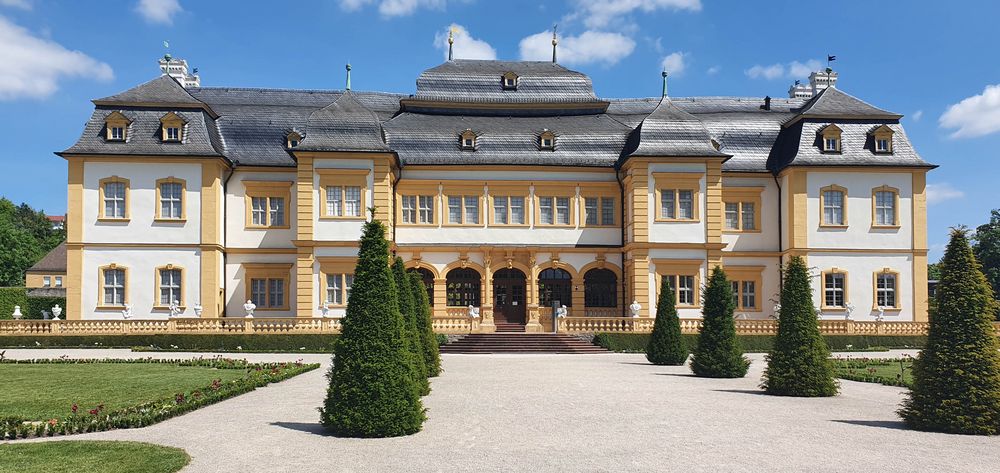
[767,103]
[178,69]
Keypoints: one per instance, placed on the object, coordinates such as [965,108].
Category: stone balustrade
[454,324]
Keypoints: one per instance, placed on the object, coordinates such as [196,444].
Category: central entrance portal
[508,293]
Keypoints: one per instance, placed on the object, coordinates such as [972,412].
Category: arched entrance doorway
[508,294]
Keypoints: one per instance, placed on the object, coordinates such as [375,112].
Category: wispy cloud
[158,11]
[713,70]
[465,47]
[590,47]
[917,115]
[35,65]
[600,14]
[978,115]
[21,4]
[391,8]
[791,70]
[937,193]
[674,64]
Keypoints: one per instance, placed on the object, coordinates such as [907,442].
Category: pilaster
[211,240]
[74,241]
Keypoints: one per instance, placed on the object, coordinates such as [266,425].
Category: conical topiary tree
[718,354]
[799,364]
[666,347]
[407,308]
[371,391]
[956,377]
[428,341]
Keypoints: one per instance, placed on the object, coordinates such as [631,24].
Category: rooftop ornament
[555,41]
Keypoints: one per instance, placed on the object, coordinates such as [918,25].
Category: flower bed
[887,371]
[96,418]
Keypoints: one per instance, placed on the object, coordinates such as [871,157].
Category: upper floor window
[677,204]
[170,198]
[509,81]
[742,207]
[508,210]
[547,141]
[677,196]
[884,207]
[831,138]
[833,205]
[116,126]
[343,191]
[172,127]
[418,209]
[554,210]
[467,140]
[599,211]
[59,281]
[882,139]
[267,203]
[463,209]
[114,198]
[47,281]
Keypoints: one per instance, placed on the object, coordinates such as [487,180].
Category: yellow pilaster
[578,309]
[920,297]
[440,297]
[713,211]
[640,281]
[637,189]
[305,216]
[382,192]
[74,241]
[211,239]
[304,262]
[798,217]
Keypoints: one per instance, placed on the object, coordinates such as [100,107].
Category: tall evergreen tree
[432,356]
[372,391]
[408,309]
[987,251]
[666,347]
[956,377]
[718,354]
[799,364]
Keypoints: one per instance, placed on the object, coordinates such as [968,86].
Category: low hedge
[636,342]
[10,297]
[302,343]
[37,304]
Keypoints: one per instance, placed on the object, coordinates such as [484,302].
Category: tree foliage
[666,346]
[413,345]
[25,237]
[432,356]
[799,364]
[987,251]
[718,354]
[956,377]
[372,392]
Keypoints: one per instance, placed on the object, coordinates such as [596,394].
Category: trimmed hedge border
[260,343]
[142,415]
[10,297]
[856,369]
[637,342]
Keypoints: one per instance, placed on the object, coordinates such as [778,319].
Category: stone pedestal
[534,320]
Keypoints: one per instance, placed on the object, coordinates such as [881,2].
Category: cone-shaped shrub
[429,343]
[956,377]
[408,309]
[372,392]
[799,364]
[718,354]
[666,347]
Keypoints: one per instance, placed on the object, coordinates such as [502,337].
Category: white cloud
[34,65]
[674,63]
[978,115]
[602,13]
[917,115]
[587,48]
[937,193]
[158,11]
[465,47]
[394,7]
[22,4]
[792,70]
[713,70]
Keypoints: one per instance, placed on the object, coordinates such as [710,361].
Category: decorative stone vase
[17,313]
[56,312]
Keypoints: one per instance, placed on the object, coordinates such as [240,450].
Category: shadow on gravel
[757,392]
[311,428]
[885,424]
[682,375]
[635,363]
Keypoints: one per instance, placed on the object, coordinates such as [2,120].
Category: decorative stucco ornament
[198,309]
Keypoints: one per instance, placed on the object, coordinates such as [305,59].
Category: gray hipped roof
[53,262]
[162,90]
[477,81]
[670,131]
[832,103]
[344,125]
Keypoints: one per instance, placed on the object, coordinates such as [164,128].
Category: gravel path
[566,413]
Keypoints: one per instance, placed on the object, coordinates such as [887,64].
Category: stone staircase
[513,342]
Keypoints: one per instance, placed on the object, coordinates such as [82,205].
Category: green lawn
[891,372]
[90,457]
[45,391]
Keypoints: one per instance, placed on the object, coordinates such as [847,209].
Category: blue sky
[930,60]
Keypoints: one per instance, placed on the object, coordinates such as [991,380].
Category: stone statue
[45,315]
[635,308]
[324,309]
[17,313]
[198,309]
[127,312]
[561,312]
[56,312]
[849,310]
[881,314]
[473,312]
[175,309]
[249,307]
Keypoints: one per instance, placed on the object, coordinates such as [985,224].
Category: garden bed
[43,398]
[887,371]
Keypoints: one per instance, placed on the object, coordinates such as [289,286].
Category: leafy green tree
[799,364]
[718,354]
[934,271]
[432,356]
[25,237]
[956,377]
[408,309]
[666,347]
[987,251]
[372,392]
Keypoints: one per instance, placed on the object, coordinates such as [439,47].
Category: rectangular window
[114,200]
[831,144]
[409,208]
[677,204]
[885,290]
[463,210]
[517,210]
[277,214]
[685,290]
[500,209]
[591,210]
[748,295]
[732,216]
[545,211]
[882,145]
[426,209]
[472,210]
[562,210]
[275,293]
[668,204]
[170,286]
[834,290]
[117,133]
[685,204]
[259,211]
[352,201]
[267,203]
[455,209]
[885,208]
[173,133]
[833,207]
[335,201]
[258,292]
[114,287]
[748,222]
[46,281]
[338,288]
[171,200]
[607,210]
[58,281]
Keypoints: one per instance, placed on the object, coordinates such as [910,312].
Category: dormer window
[882,137]
[831,139]
[547,141]
[172,126]
[293,140]
[467,140]
[509,81]
[116,125]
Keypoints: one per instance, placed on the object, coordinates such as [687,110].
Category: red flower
[74,408]
[94,412]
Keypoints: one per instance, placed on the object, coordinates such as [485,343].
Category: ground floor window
[338,288]
[745,295]
[683,286]
[170,286]
[463,287]
[113,286]
[834,289]
[600,288]
[555,284]
[885,289]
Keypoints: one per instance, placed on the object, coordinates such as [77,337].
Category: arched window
[600,288]
[555,285]
[463,286]
[428,278]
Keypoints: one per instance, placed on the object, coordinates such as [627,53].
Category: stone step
[520,343]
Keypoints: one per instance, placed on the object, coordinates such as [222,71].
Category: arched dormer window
[172,128]
[547,140]
[467,140]
[292,140]
[882,140]
[831,139]
[509,81]
[116,126]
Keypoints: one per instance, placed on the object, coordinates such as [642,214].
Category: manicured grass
[91,457]
[45,391]
[890,372]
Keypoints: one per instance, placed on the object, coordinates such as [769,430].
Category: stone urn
[17,313]
[56,312]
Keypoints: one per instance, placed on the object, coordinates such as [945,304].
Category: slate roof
[479,81]
[344,125]
[163,89]
[670,131]
[801,145]
[832,103]
[53,262]
[200,136]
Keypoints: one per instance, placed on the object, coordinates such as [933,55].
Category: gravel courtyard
[565,413]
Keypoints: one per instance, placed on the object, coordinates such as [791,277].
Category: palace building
[510,186]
